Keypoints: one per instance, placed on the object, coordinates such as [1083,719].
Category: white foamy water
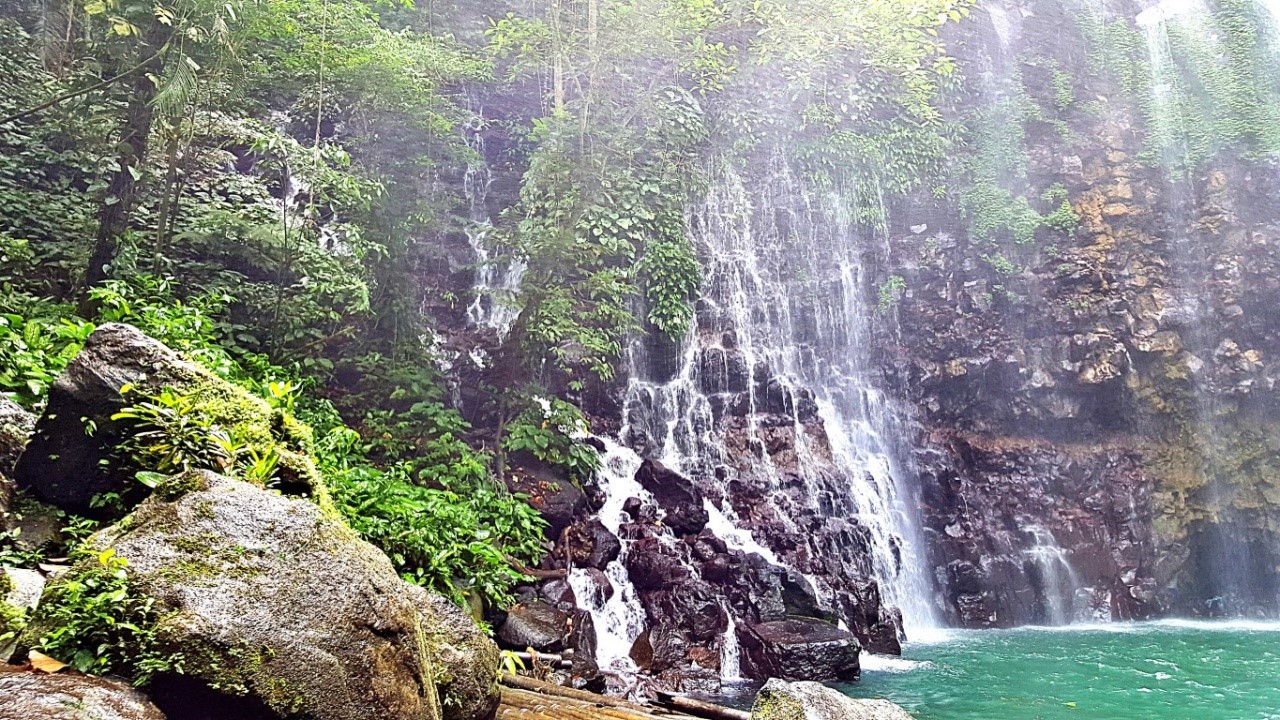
[891,664]
[619,620]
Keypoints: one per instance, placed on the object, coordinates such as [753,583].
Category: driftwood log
[700,708]
[524,698]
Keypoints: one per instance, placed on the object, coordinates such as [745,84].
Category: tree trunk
[557,61]
[117,209]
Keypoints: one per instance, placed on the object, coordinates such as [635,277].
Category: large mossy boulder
[73,454]
[280,611]
[780,700]
[464,660]
[28,696]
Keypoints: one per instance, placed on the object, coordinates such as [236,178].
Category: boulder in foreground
[28,695]
[780,700]
[280,611]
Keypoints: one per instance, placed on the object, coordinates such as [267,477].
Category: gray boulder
[71,457]
[28,695]
[465,661]
[780,700]
[283,609]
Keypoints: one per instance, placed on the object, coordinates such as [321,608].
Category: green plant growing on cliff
[890,293]
[93,620]
[551,430]
[1064,217]
[170,436]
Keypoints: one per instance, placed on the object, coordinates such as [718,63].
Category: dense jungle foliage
[266,186]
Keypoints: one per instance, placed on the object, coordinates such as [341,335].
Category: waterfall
[1058,580]
[496,283]
[785,306]
[620,618]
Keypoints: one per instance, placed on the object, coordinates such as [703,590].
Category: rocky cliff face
[1098,411]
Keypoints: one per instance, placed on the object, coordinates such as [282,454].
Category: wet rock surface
[800,649]
[536,625]
[66,696]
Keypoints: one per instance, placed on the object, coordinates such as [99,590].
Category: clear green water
[1150,671]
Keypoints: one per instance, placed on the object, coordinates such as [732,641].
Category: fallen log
[521,682]
[711,711]
[559,662]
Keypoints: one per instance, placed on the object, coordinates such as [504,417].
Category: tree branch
[77,93]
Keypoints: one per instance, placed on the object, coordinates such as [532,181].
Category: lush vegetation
[270,187]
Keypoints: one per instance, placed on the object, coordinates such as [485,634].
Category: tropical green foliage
[552,430]
[93,620]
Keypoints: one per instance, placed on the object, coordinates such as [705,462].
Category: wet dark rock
[723,371]
[632,508]
[654,565]
[537,625]
[559,594]
[600,589]
[589,543]
[676,495]
[799,649]
[16,426]
[68,696]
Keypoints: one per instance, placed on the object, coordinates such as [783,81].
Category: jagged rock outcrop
[73,455]
[66,696]
[279,610]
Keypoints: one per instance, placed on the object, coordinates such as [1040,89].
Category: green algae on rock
[73,455]
[268,600]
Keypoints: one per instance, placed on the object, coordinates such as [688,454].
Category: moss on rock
[69,467]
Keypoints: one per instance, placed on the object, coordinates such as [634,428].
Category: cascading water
[496,282]
[1058,580]
[618,619]
[783,313]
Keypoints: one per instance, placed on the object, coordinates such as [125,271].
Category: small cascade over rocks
[768,459]
[496,281]
[1058,581]
[609,596]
